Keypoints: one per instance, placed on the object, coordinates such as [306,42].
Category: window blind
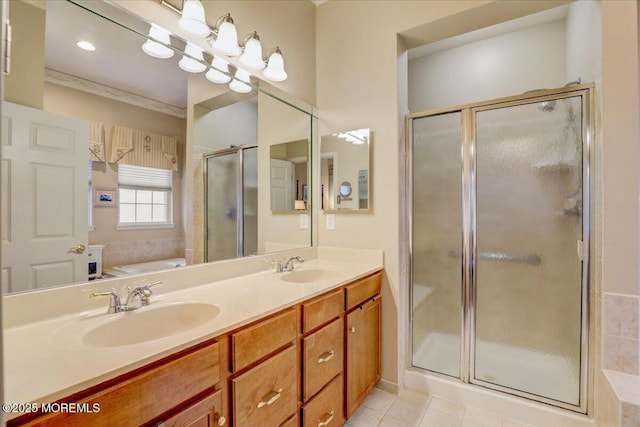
[142,177]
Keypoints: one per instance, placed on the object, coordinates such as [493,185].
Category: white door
[44,198]
[281,185]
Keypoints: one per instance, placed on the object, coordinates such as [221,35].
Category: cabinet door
[203,413]
[363,352]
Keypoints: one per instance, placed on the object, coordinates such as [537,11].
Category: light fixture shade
[227,40]
[155,49]
[215,76]
[275,67]
[252,56]
[190,65]
[240,80]
[193,20]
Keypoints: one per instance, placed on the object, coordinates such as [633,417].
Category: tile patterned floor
[412,409]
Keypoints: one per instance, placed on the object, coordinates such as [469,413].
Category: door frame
[467,321]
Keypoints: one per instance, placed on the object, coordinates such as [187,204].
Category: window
[144,196]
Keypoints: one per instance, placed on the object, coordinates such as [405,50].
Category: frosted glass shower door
[437,243]
[528,275]
[222,206]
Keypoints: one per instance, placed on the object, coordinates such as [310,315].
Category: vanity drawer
[362,290]
[321,310]
[206,412]
[325,410]
[322,354]
[255,342]
[267,394]
[139,398]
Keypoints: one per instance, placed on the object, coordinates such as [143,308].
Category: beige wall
[74,103]
[621,150]
[277,123]
[367,96]
[25,83]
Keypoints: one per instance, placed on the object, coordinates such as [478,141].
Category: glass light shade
[193,20]
[275,68]
[252,56]
[215,76]
[190,65]
[239,82]
[227,40]
[155,49]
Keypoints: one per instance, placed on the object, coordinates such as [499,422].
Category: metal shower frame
[469,250]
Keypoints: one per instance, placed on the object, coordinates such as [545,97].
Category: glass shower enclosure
[499,244]
[231,203]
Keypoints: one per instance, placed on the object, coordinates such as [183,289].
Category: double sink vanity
[232,343]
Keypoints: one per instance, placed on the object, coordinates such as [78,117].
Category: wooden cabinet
[326,408]
[362,338]
[252,343]
[144,395]
[205,412]
[268,394]
[311,364]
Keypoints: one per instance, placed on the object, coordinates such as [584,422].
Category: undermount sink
[309,275]
[149,323]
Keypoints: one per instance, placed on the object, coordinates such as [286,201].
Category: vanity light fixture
[192,63]
[85,45]
[158,49]
[240,80]
[252,54]
[225,37]
[215,76]
[356,137]
[193,20]
[275,66]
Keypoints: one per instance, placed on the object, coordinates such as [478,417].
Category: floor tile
[478,418]
[414,396]
[507,422]
[440,419]
[407,411]
[389,421]
[379,400]
[365,417]
[447,407]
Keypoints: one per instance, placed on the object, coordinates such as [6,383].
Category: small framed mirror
[344,171]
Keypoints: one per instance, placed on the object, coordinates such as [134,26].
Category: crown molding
[88,86]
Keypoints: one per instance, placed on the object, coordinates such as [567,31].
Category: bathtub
[144,267]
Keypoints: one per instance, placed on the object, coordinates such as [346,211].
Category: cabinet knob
[352,329]
[327,420]
[222,421]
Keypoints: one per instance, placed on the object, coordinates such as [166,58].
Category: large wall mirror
[345,171]
[99,178]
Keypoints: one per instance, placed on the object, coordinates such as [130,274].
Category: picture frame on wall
[105,198]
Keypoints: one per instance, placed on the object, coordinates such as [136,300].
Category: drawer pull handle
[325,357]
[327,420]
[272,397]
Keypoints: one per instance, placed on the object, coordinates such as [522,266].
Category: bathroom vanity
[310,361]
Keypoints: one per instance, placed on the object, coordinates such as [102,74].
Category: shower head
[547,106]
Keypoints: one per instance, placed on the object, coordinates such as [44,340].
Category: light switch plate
[330,222]
[304,221]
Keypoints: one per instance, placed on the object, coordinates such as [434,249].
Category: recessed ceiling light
[86,46]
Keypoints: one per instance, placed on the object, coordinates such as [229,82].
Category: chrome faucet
[283,266]
[143,293]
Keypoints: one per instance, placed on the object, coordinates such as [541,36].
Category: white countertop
[45,360]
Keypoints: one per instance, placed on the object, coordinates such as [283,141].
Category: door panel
[44,189]
[437,243]
[528,277]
